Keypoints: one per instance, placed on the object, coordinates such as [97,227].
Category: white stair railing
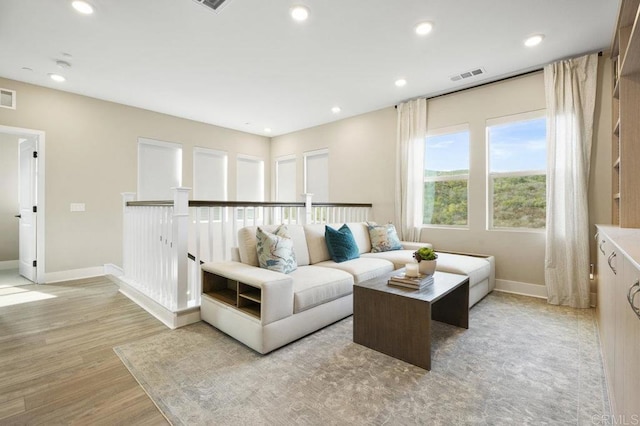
[164,242]
[155,243]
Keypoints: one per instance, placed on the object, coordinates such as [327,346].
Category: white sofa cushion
[318,251]
[247,243]
[361,269]
[314,285]
[399,258]
[477,268]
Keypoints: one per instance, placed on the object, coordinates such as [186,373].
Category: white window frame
[458,128]
[316,153]
[213,213]
[278,160]
[491,176]
[225,159]
[162,144]
[251,213]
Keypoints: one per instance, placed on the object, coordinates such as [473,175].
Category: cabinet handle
[611,256]
[600,246]
[631,295]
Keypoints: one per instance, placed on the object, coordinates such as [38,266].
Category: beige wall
[362,164]
[8,197]
[91,157]
[361,158]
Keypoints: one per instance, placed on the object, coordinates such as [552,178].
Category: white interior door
[28,201]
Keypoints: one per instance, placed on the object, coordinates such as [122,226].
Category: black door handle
[18,216]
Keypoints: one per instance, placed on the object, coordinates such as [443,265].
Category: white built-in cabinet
[618,314]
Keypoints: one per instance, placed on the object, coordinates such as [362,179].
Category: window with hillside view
[517,148]
[446,177]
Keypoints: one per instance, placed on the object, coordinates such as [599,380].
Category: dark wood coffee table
[397,321]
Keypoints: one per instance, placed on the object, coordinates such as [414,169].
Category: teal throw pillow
[275,251]
[383,238]
[341,244]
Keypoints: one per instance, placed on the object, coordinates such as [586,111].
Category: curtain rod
[488,82]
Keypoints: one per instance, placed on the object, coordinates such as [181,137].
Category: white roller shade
[159,169]
[249,179]
[209,174]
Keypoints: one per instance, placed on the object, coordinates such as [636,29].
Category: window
[250,179]
[286,179]
[250,185]
[517,147]
[159,169]
[446,177]
[316,175]
[210,180]
[209,174]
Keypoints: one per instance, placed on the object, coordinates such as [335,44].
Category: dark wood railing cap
[211,203]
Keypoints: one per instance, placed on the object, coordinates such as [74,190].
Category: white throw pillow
[275,251]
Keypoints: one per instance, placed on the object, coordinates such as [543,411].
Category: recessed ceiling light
[82,7]
[267,129]
[533,40]
[424,28]
[401,82]
[57,77]
[27,69]
[299,12]
[336,109]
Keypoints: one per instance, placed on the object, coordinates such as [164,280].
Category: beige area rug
[521,362]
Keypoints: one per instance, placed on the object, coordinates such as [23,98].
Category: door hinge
[35,154]
[35,263]
[35,209]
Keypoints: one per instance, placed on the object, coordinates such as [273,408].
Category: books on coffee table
[416,283]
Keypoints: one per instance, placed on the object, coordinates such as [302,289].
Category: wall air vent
[7,98]
[216,5]
[468,74]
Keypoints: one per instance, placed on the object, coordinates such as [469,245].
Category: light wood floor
[57,364]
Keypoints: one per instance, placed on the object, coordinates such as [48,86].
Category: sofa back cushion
[318,251]
[247,243]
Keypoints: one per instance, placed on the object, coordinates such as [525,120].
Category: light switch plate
[77,207]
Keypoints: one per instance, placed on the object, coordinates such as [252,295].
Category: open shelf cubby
[239,295]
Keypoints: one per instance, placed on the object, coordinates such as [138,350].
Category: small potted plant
[426,259]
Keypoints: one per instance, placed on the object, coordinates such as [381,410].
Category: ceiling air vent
[468,74]
[216,5]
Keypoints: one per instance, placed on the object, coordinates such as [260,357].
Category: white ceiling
[250,66]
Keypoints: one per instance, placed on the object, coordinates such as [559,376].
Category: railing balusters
[156,236]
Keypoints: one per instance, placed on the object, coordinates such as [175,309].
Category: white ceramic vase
[427,267]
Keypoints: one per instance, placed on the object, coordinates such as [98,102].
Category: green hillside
[518,202]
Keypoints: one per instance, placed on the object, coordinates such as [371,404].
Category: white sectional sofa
[265,309]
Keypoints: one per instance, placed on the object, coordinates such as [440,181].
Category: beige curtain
[570,88]
[412,130]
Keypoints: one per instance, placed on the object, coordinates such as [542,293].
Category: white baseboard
[9,264]
[528,289]
[73,274]
[169,318]
[525,289]
[111,269]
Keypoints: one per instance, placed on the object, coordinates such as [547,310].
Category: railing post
[307,208]
[180,244]
[127,229]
